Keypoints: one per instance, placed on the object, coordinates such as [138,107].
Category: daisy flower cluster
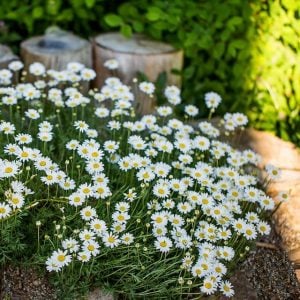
[123,183]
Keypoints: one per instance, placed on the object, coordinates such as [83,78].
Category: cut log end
[136,55]
[138,44]
[56,51]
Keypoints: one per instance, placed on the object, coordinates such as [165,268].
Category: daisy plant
[147,206]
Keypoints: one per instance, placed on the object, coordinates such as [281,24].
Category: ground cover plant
[146,206]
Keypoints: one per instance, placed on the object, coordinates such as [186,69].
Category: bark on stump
[6,56]
[55,50]
[137,54]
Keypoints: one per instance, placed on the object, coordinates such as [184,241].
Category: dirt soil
[267,274]
[19,283]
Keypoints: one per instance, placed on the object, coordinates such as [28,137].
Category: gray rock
[98,294]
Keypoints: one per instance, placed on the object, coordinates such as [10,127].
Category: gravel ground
[267,274]
[18,283]
[271,273]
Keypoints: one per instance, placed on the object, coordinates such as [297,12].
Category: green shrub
[245,50]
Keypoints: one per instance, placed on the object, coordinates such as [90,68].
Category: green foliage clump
[246,50]
[149,207]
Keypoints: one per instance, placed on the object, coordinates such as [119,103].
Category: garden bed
[145,206]
[266,274]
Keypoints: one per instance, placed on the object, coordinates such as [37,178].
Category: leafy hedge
[247,50]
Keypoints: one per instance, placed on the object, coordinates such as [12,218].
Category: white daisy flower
[8,168]
[147,87]
[127,238]
[5,210]
[161,190]
[32,114]
[16,200]
[212,100]
[7,127]
[87,74]
[226,288]
[37,69]
[163,244]
[45,136]
[191,110]
[110,240]
[71,245]
[84,256]
[82,126]
[164,111]
[159,219]
[273,171]
[88,213]
[111,64]
[102,112]
[208,287]
[263,228]
[102,191]
[16,65]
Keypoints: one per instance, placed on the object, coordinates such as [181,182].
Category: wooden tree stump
[56,49]
[6,56]
[137,54]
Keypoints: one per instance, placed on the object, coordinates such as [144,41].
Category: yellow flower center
[100,190]
[249,232]
[161,191]
[8,170]
[24,154]
[15,200]
[121,218]
[146,175]
[111,239]
[86,190]
[163,244]
[159,220]
[95,154]
[61,258]
[76,199]
[91,247]
[208,285]
[97,226]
